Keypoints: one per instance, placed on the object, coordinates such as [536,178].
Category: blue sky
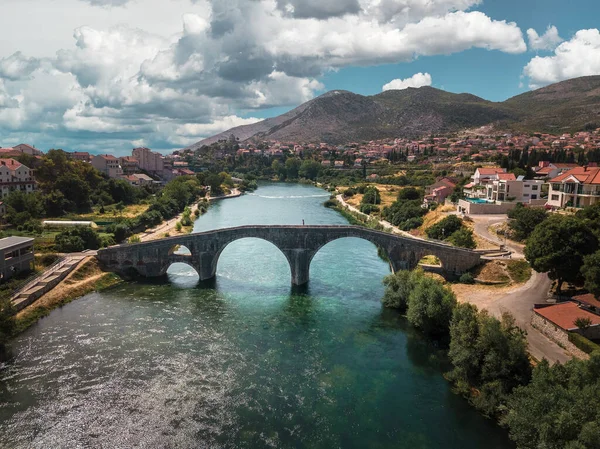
[108,75]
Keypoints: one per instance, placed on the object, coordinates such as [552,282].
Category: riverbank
[86,278]
[170,226]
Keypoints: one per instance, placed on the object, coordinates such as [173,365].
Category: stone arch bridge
[299,244]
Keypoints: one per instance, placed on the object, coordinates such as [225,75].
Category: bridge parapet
[299,244]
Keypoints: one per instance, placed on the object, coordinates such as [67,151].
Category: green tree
[558,245]
[444,228]
[371,196]
[398,287]
[559,408]
[309,169]
[430,306]
[279,169]
[463,238]
[410,194]
[292,167]
[591,272]
[525,219]
[489,355]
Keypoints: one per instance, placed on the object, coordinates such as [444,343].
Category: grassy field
[110,213]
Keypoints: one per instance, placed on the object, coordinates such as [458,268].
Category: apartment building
[15,176]
[129,165]
[510,189]
[149,160]
[107,164]
[16,256]
[578,187]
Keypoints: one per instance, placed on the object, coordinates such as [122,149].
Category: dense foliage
[430,306]
[453,230]
[558,246]
[559,408]
[487,355]
[524,220]
[407,211]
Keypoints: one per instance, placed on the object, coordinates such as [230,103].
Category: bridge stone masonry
[299,244]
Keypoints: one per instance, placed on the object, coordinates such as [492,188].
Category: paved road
[483,222]
[520,302]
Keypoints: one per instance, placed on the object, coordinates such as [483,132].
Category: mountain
[341,116]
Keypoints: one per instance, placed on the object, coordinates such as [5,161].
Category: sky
[105,76]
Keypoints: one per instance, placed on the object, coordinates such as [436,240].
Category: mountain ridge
[341,116]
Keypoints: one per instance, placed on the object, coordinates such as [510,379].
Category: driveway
[520,302]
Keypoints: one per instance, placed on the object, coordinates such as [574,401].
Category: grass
[430,260]
[110,213]
[519,270]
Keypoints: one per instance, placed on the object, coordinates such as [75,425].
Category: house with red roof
[557,320]
[509,188]
[15,176]
[578,187]
[108,165]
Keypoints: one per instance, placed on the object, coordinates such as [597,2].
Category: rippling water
[246,364]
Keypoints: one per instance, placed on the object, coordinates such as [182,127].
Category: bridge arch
[183,274]
[341,259]
[265,243]
[179,249]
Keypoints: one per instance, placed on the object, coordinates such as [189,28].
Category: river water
[245,363]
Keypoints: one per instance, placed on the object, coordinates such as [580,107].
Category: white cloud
[193,66]
[17,66]
[417,80]
[547,41]
[577,57]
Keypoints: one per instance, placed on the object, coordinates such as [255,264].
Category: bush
[371,196]
[330,203]
[411,223]
[583,343]
[178,226]
[398,287]
[349,193]
[467,278]
[430,306]
[445,228]
[77,239]
[368,208]
[463,238]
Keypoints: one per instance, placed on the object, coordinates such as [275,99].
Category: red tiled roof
[585,175]
[10,163]
[588,299]
[565,314]
[490,170]
[507,176]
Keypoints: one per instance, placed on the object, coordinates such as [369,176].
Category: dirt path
[169,225]
[70,288]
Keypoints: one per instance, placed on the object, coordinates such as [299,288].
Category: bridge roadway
[299,244]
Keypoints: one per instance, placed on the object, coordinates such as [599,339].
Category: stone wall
[485,208]
[557,334]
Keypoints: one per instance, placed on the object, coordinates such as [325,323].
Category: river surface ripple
[246,364]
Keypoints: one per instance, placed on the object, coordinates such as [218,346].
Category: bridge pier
[299,260]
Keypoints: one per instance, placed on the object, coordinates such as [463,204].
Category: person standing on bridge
[303,222]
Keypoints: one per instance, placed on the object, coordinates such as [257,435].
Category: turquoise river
[243,363]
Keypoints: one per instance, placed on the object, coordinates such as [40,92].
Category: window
[527,185]
[534,197]
[534,188]
[554,197]
[525,194]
